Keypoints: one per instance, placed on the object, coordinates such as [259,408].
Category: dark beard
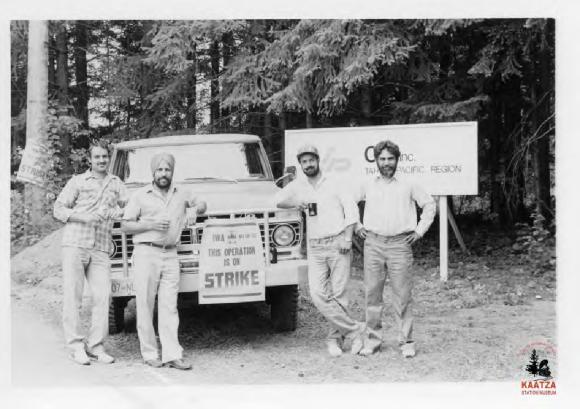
[388,171]
[156,182]
[312,173]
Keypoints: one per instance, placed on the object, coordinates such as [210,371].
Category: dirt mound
[39,263]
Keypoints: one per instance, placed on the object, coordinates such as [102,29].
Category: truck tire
[284,307]
[117,314]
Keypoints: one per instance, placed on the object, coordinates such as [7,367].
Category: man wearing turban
[155,215]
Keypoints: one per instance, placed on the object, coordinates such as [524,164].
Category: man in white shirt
[390,228]
[331,214]
[155,215]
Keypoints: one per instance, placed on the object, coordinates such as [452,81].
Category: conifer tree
[532,367]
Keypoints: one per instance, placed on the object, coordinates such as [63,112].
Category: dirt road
[237,346]
[471,328]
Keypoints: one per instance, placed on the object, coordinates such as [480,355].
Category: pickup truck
[232,174]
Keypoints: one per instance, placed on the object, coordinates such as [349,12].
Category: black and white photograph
[295,208]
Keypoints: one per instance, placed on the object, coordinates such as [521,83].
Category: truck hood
[226,196]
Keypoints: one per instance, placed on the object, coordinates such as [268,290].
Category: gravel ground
[471,328]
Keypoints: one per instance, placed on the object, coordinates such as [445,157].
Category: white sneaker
[333,348]
[80,357]
[408,350]
[101,356]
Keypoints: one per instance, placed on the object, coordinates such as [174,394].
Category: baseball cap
[307,149]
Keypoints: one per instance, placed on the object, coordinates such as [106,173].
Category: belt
[159,246]
[325,239]
[383,237]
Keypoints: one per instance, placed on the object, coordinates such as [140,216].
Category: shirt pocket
[87,194]
[109,198]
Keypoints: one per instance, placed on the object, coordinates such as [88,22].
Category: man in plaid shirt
[88,204]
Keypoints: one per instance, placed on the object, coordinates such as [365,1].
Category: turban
[162,157]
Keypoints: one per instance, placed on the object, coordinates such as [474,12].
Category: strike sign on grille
[232,266]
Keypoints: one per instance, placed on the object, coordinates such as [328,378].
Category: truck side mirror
[288,176]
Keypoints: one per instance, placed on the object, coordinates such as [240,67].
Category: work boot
[370,348]
[333,348]
[154,363]
[101,356]
[179,364]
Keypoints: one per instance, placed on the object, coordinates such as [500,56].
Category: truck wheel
[117,314]
[284,307]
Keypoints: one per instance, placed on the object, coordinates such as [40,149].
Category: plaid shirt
[85,193]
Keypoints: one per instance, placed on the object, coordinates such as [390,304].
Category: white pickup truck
[232,174]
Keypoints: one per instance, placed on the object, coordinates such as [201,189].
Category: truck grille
[188,238]
[295,226]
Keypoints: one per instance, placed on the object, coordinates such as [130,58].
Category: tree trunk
[63,92]
[36,112]
[228,53]
[80,58]
[308,119]
[214,114]
[512,97]
[497,196]
[62,64]
[147,84]
[191,93]
[52,87]
[541,160]
[366,105]
[543,85]
[282,126]
[268,131]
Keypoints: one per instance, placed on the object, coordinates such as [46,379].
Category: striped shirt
[390,207]
[86,193]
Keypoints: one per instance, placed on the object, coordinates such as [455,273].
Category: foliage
[263,76]
[58,124]
[315,65]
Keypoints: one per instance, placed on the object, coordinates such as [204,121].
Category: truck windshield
[226,162]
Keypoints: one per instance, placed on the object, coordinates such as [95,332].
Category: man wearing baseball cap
[155,215]
[331,214]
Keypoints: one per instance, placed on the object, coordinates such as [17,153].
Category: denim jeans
[156,272]
[397,256]
[328,274]
[77,264]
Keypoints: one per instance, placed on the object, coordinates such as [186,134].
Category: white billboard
[441,157]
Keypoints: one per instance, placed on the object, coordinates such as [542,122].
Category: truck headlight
[283,235]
